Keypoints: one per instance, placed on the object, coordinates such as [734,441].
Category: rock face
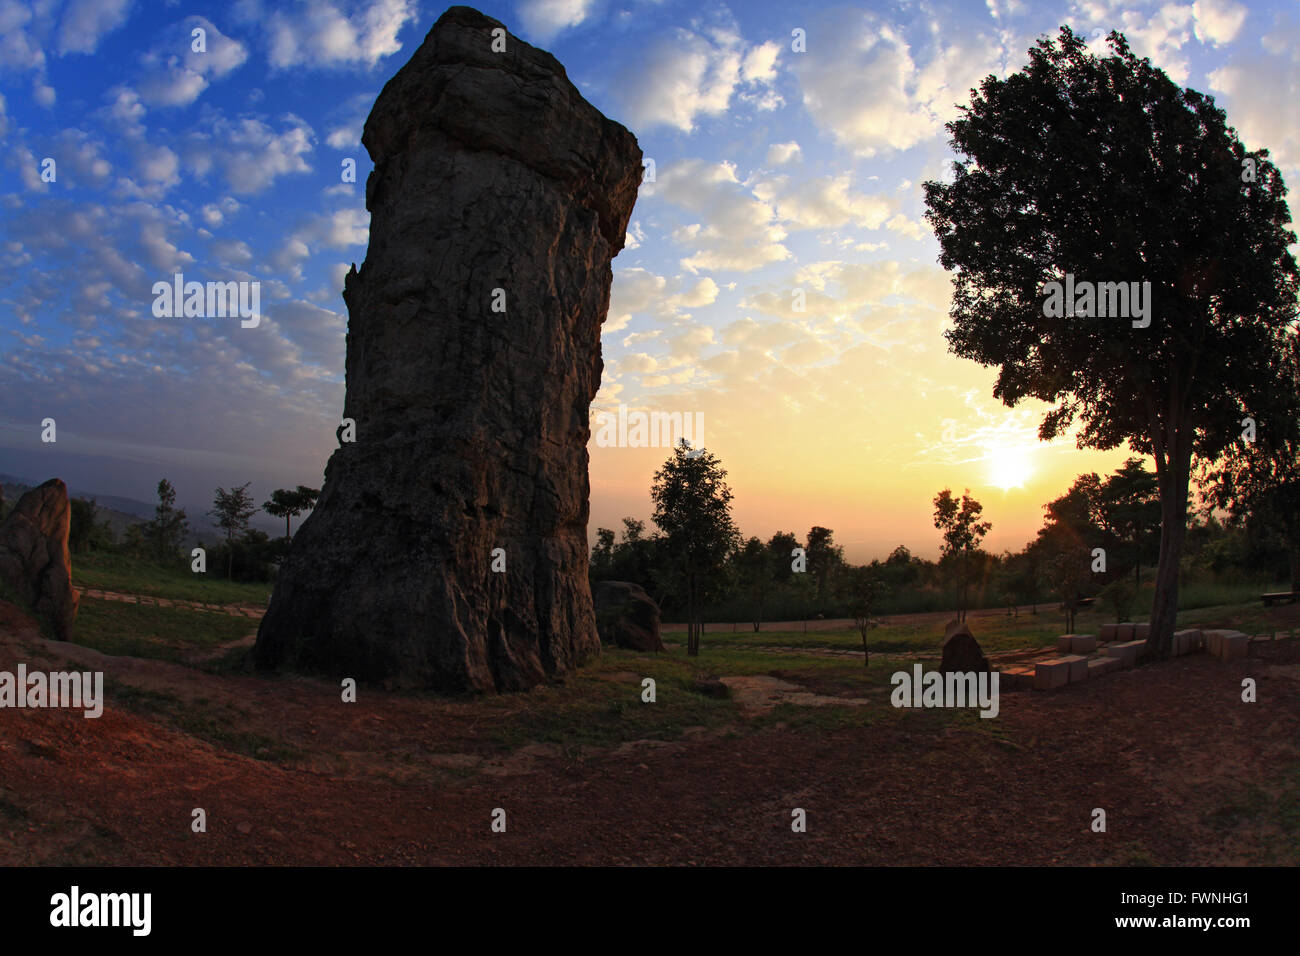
[627,616]
[499,197]
[961,652]
[34,559]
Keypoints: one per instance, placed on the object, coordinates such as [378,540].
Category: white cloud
[43,93]
[759,65]
[687,74]
[174,78]
[328,34]
[159,165]
[735,230]
[19,48]
[778,154]
[249,154]
[85,23]
[545,19]
[869,93]
[1218,21]
[824,202]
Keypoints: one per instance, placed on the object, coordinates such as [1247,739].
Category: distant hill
[119,512]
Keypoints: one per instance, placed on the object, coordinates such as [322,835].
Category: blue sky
[775,170]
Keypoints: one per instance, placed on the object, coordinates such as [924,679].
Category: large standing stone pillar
[495,185]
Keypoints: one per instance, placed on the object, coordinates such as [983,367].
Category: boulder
[961,652]
[34,559]
[448,549]
[626,616]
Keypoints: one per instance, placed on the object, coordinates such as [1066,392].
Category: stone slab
[1078,667]
[1051,674]
[1127,652]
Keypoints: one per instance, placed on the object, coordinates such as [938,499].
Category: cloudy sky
[775,170]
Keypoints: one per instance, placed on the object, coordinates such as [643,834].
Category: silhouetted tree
[1104,169]
[169,526]
[289,503]
[754,570]
[232,509]
[962,534]
[693,510]
[860,588]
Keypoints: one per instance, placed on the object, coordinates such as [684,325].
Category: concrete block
[1078,667]
[1124,632]
[1141,632]
[1063,643]
[1016,678]
[1051,674]
[1214,640]
[1099,666]
[1083,643]
[1233,644]
[1127,652]
[1188,642]
[1108,631]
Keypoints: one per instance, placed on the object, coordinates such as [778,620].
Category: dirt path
[235,610]
[1187,773]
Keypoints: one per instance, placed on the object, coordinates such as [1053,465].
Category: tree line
[246,553]
[1096,541]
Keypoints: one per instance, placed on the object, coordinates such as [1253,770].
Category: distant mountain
[120,512]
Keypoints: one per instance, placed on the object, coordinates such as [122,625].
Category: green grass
[160,633]
[116,572]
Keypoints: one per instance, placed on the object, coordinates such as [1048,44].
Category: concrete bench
[1188,642]
[1226,644]
[1049,675]
[1278,597]
[1076,643]
[1127,652]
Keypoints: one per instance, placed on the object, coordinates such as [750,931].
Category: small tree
[286,503]
[169,526]
[962,534]
[1129,508]
[860,589]
[754,570]
[232,509]
[1068,569]
[825,558]
[693,510]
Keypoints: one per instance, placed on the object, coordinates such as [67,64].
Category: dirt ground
[1186,772]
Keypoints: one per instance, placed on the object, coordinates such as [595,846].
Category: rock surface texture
[626,616]
[34,559]
[496,186]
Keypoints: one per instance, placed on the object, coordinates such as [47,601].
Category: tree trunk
[1173,529]
[1137,565]
[1295,570]
[866,658]
[286,527]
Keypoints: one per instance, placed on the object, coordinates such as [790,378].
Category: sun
[1009,466]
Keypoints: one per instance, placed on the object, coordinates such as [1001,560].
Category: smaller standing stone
[626,616]
[961,652]
[34,558]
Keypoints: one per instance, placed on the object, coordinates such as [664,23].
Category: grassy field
[160,633]
[116,572]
